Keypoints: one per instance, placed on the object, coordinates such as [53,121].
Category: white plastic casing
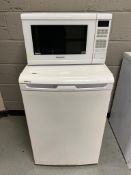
[79,74]
[66,108]
[97,37]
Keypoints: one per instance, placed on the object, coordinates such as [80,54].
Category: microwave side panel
[101,38]
[33,59]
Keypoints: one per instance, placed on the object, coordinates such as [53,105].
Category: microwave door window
[59,39]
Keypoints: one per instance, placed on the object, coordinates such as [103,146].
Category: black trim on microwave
[103,23]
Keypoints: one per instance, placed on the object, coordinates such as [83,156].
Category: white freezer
[66,108]
[120,118]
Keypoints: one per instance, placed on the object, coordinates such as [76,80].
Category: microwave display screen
[59,39]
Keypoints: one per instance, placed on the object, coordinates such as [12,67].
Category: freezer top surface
[67,74]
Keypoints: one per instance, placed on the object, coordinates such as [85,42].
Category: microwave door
[59,39]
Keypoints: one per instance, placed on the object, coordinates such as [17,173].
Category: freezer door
[66,127]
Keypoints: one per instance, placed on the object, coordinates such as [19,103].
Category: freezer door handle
[65,87]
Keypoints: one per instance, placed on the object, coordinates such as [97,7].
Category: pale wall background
[12,50]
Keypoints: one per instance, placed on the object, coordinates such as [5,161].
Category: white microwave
[66,38]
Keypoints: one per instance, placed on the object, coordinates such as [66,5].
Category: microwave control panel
[101,41]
